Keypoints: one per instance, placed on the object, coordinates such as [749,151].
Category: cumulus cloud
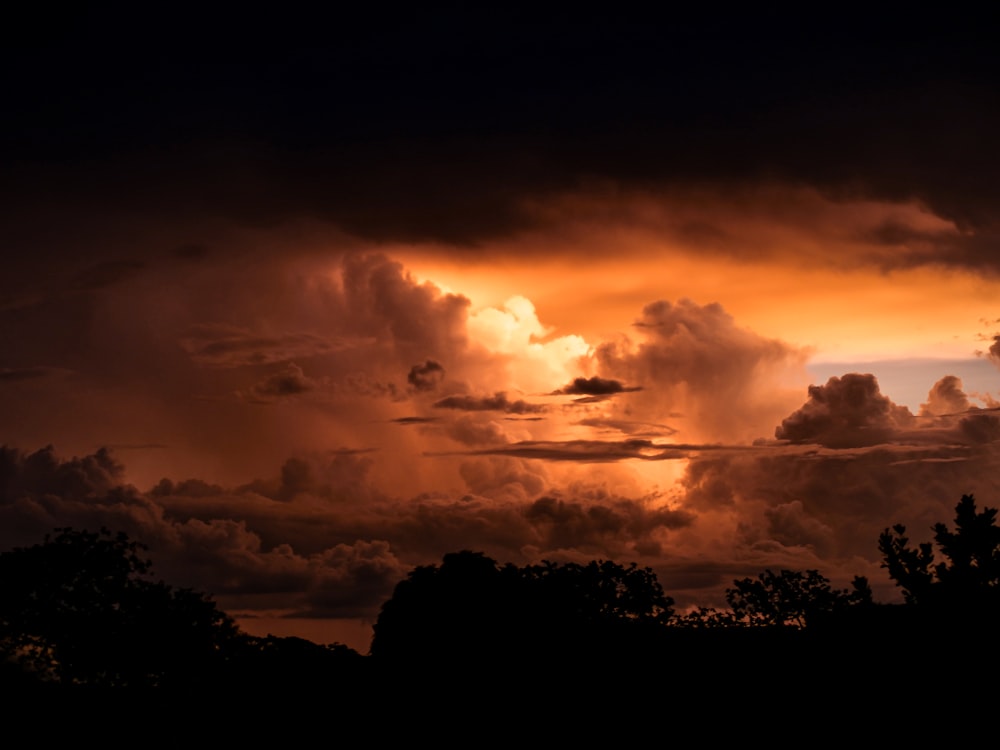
[728,381]
[993,353]
[382,300]
[846,412]
[945,397]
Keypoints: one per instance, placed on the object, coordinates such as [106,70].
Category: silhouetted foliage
[792,598]
[789,598]
[81,608]
[471,608]
[970,576]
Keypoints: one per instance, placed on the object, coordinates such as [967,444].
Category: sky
[304,301]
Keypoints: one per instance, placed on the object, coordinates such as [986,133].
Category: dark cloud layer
[595,386]
[496,402]
[433,125]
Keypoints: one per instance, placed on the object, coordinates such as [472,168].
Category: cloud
[593,389]
[993,353]
[291,381]
[426,376]
[629,427]
[847,412]
[945,397]
[496,402]
[586,527]
[597,451]
[414,420]
[384,301]
[693,359]
[224,345]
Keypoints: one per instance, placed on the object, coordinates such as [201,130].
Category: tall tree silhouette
[970,574]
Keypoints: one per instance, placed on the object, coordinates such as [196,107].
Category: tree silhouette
[470,609]
[81,608]
[789,598]
[792,598]
[970,575]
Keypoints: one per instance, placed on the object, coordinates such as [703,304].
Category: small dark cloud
[413,420]
[426,377]
[105,274]
[291,381]
[496,402]
[594,386]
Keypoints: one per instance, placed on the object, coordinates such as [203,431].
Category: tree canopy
[969,576]
[470,606]
[82,608]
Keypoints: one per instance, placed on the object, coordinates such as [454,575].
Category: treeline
[81,612]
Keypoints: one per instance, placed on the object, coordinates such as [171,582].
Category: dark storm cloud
[414,420]
[847,412]
[429,126]
[496,402]
[595,386]
[426,377]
